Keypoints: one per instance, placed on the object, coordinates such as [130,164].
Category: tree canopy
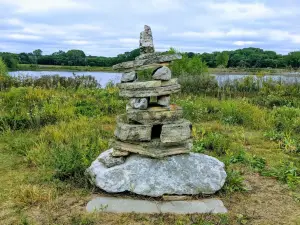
[246,57]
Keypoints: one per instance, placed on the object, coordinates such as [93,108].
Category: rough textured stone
[133,132]
[146,62]
[118,153]
[139,103]
[155,114]
[149,92]
[139,85]
[129,77]
[163,73]
[125,205]
[108,160]
[185,174]
[176,132]
[155,148]
[146,41]
[163,100]
[173,81]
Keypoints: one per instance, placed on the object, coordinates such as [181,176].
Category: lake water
[104,77]
[292,78]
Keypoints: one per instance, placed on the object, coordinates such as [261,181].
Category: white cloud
[29,6]
[155,6]
[129,40]
[279,35]
[103,27]
[243,43]
[237,10]
[76,42]
[218,34]
[23,37]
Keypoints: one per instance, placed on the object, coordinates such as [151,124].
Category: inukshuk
[150,127]
[151,151]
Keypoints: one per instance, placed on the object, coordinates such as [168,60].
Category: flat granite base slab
[123,205]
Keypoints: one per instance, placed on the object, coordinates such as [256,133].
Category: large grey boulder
[163,73]
[185,174]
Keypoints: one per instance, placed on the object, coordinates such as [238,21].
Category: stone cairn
[154,129]
[156,132]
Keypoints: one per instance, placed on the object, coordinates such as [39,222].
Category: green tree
[293,59]
[10,60]
[76,57]
[222,59]
[38,52]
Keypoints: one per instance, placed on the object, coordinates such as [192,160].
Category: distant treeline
[244,58]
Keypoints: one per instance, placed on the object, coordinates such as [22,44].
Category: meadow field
[52,129]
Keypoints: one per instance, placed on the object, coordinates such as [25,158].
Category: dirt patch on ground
[269,202]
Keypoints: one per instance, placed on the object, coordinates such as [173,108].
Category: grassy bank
[50,135]
[29,67]
[252,71]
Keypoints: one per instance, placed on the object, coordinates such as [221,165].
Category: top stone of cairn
[146,41]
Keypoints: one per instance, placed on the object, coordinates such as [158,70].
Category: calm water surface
[104,77]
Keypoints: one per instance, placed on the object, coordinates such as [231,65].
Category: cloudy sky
[110,27]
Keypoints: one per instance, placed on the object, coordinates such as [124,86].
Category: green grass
[49,136]
[250,71]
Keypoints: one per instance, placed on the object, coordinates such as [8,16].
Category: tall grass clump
[5,79]
[193,75]
[29,108]
[67,149]
[240,112]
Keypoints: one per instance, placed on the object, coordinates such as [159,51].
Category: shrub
[67,149]
[253,161]
[243,113]
[213,141]
[234,182]
[285,118]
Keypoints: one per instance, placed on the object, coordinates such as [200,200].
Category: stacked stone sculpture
[150,154]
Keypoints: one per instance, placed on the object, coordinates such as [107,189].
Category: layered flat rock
[132,132]
[139,85]
[173,81]
[147,84]
[155,114]
[155,148]
[185,174]
[176,132]
[125,205]
[117,153]
[149,92]
[151,61]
